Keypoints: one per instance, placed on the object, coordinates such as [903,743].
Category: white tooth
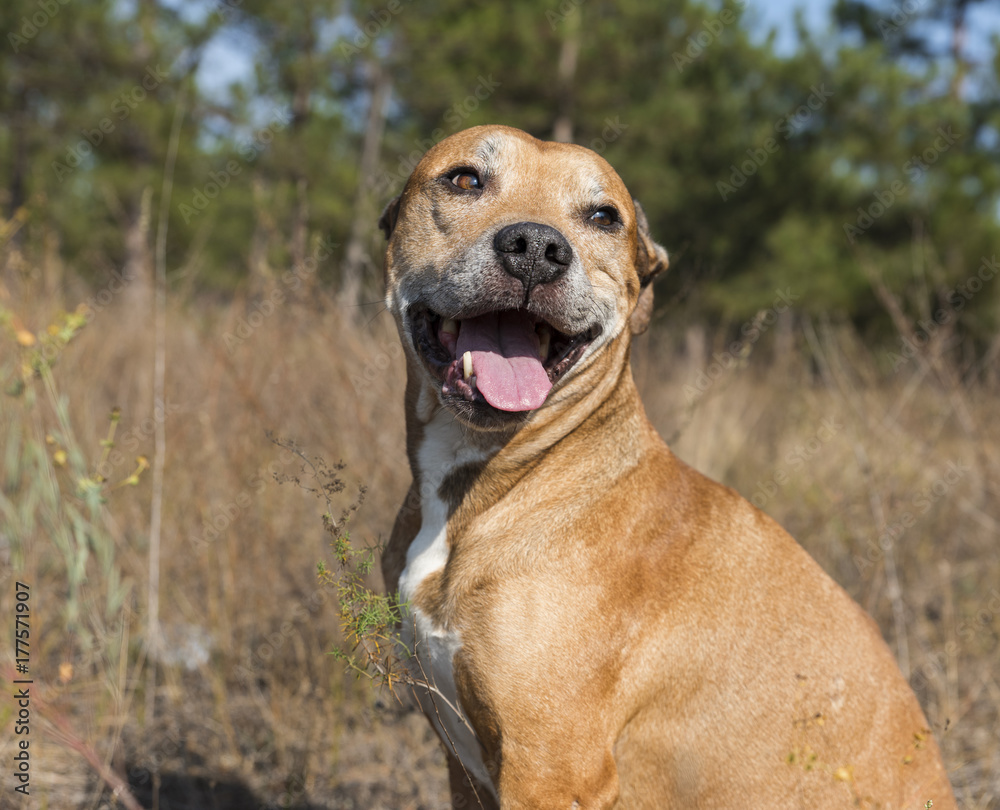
[467,364]
[449,325]
[544,337]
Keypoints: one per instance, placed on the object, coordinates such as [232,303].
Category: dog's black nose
[533,253]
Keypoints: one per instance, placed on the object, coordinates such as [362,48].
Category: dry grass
[250,711]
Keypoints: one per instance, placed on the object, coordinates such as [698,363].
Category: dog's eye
[466,180]
[604,216]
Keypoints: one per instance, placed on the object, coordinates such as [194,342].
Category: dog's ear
[389,215]
[650,260]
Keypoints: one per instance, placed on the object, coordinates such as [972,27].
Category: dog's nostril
[533,253]
[554,253]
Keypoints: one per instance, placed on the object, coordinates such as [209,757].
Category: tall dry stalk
[159,401]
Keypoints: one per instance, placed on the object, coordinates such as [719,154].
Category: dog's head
[511,264]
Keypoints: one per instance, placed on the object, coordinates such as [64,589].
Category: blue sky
[780,14]
[983,21]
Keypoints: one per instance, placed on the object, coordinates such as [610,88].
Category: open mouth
[508,360]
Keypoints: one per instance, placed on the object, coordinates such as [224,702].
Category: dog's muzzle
[533,254]
[499,340]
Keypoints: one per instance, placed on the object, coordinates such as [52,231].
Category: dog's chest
[435,646]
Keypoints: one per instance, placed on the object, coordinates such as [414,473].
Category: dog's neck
[476,467]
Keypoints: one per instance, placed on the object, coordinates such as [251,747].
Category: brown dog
[615,629]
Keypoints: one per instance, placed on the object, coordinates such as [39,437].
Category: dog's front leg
[570,785]
[466,793]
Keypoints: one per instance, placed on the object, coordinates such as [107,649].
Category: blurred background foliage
[846,164]
[823,169]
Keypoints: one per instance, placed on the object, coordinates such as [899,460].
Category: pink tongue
[505,360]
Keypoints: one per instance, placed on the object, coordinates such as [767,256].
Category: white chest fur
[443,449]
